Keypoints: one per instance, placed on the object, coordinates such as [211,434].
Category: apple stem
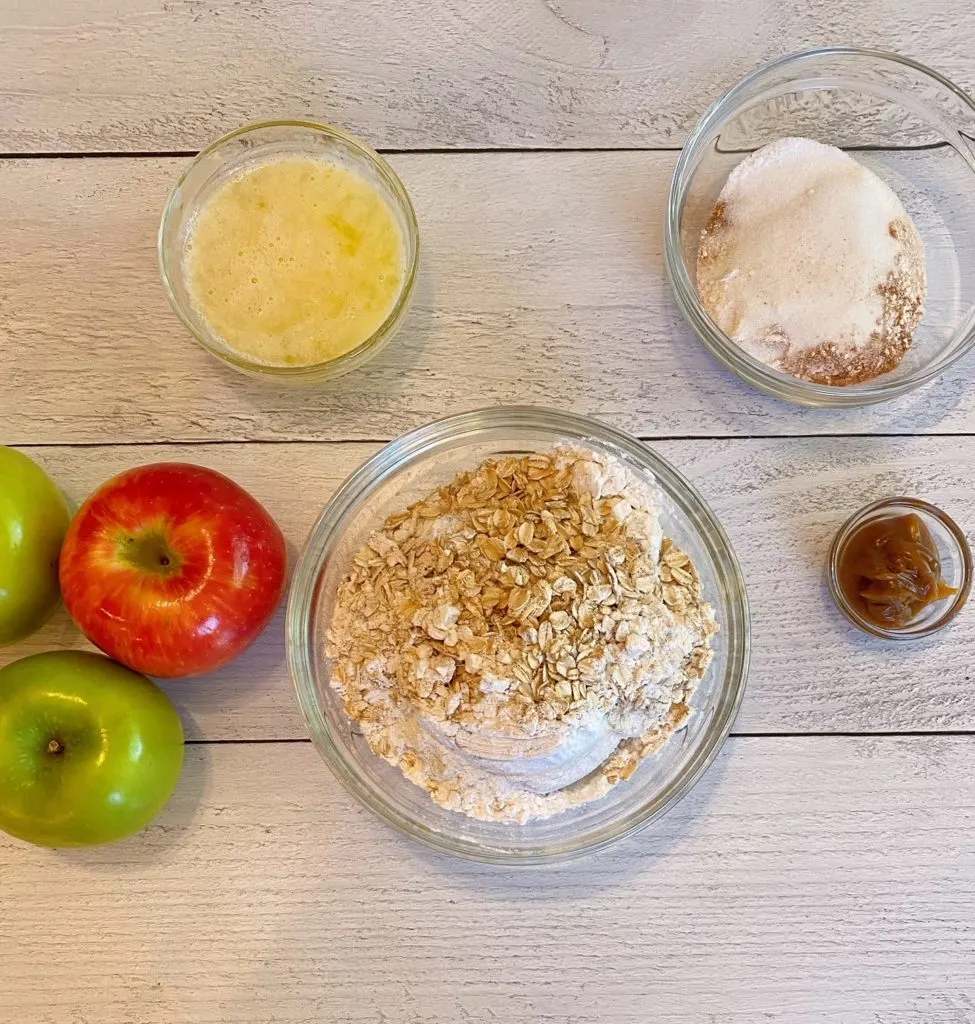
[149,551]
[55,747]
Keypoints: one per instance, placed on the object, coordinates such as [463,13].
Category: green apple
[90,751]
[33,519]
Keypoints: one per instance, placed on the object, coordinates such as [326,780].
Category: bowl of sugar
[820,235]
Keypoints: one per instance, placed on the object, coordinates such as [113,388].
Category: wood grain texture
[808,879]
[804,881]
[151,76]
[780,501]
[542,283]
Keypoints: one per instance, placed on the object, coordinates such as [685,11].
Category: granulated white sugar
[812,265]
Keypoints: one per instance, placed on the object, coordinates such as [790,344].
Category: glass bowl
[254,144]
[909,125]
[411,467]
[953,551]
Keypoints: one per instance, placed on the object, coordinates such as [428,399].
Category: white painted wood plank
[804,881]
[140,75]
[542,283]
[779,500]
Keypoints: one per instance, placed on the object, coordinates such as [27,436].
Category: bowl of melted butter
[290,249]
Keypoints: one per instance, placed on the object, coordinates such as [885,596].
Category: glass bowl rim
[860,517]
[387,329]
[775,382]
[417,443]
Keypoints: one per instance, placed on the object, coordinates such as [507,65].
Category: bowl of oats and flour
[518,635]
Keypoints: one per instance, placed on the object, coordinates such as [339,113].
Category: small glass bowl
[253,144]
[411,467]
[909,125]
[953,551]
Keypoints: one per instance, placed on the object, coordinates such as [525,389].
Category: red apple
[172,569]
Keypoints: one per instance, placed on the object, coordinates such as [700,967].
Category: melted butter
[295,261]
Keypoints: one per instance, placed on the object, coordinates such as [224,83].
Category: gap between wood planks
[896,734]
[445,151]
[647,438]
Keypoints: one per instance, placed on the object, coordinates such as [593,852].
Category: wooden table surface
[823,870]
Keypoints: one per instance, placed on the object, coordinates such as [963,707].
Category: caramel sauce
[889,570]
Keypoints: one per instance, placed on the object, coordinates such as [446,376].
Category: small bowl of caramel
[900,569]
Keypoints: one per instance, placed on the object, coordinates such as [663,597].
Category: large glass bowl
[408,469]
[244,148]
[909,125]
